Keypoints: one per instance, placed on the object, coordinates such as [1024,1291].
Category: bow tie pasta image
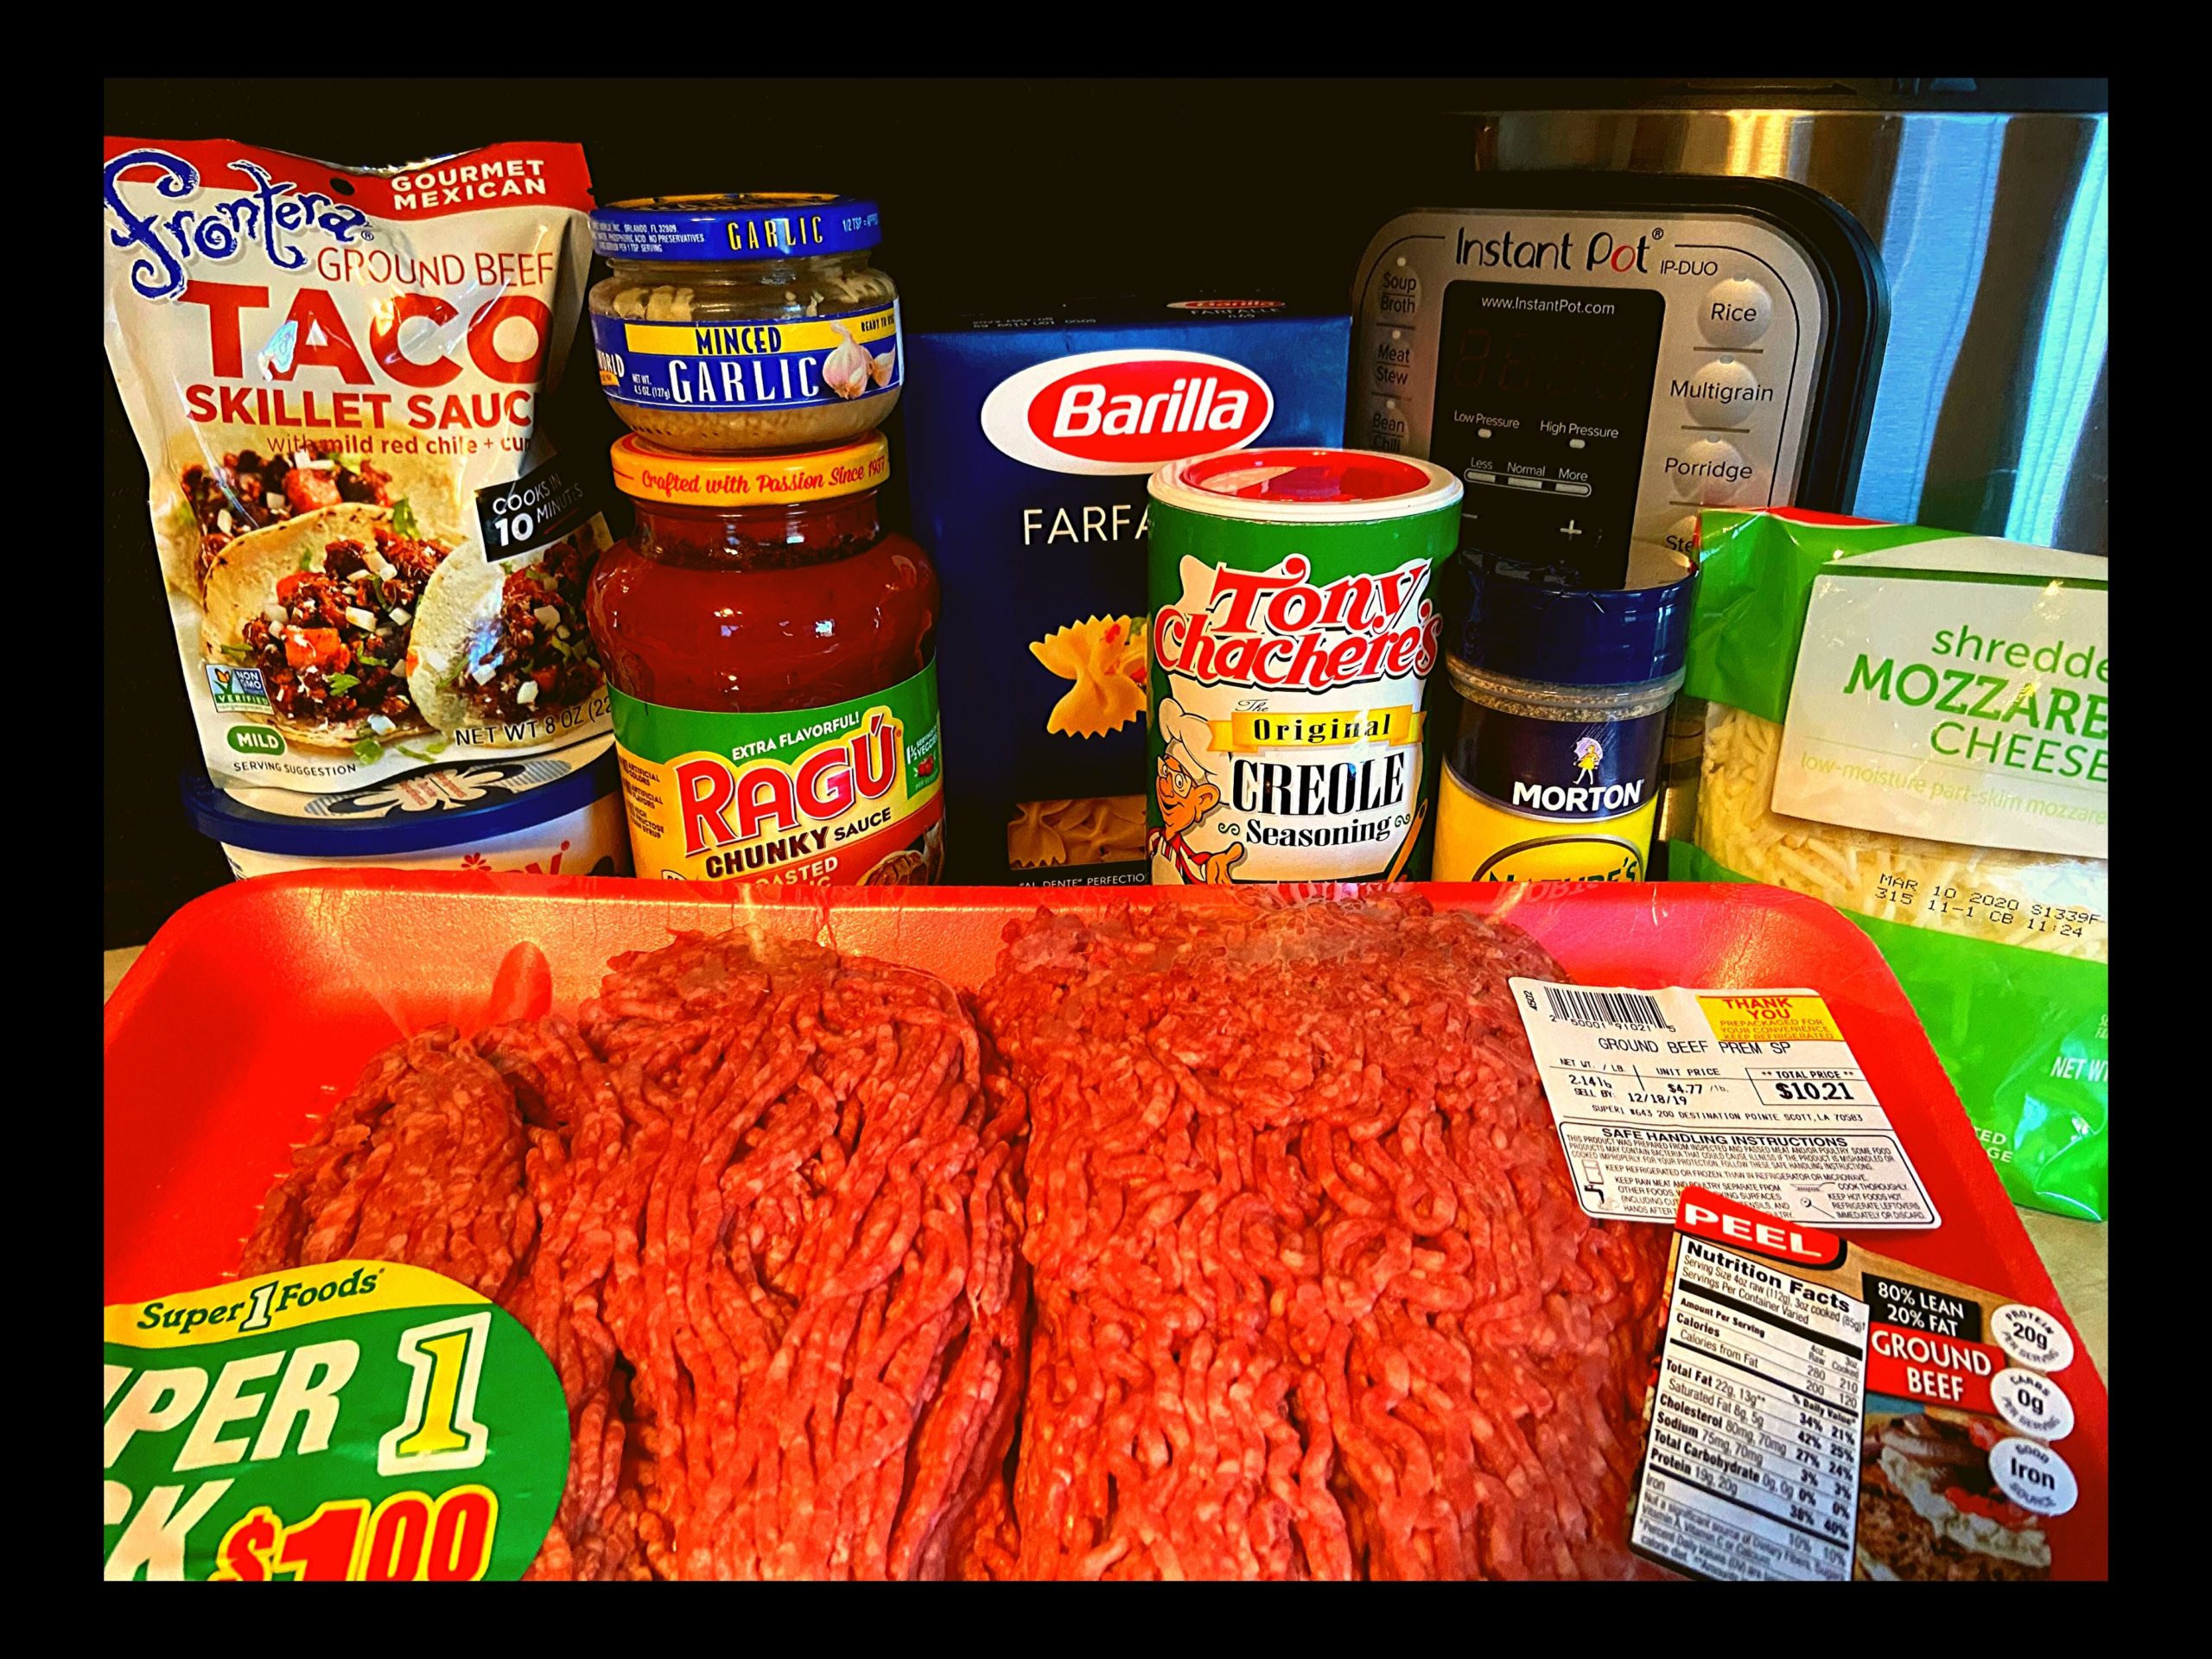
[1105,658]
[1093,830]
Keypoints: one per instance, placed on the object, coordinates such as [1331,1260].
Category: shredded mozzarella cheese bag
[1912,725]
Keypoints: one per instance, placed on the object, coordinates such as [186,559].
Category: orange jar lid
[648,472]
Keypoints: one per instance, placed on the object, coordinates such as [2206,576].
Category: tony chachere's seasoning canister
[1551,768]
[734,324]
[771,652]
[1293,627]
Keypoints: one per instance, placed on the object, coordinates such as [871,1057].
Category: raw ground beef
[1312,1297]
[423,1163]
[758,1207]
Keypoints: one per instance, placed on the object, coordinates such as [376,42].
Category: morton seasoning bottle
[771,655]
[1551,763]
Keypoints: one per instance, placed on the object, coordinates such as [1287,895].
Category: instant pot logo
[217,229]
[1103,412]
[1506,251]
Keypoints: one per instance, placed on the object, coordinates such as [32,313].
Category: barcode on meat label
[1628,1008]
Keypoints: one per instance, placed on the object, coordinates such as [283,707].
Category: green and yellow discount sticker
[349,1420]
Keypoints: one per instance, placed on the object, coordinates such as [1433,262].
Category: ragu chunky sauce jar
[771,655]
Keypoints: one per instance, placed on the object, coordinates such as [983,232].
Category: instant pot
[1933,251]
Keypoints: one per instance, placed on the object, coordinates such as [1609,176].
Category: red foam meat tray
[254,1008]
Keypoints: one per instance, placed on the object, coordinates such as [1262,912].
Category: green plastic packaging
[1912,725]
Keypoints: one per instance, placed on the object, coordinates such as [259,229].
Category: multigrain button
[1723,392]
[1708,472]
[1735,312]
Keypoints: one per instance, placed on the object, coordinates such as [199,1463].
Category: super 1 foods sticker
[350,1420]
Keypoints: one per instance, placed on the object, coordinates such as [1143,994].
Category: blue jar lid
[723,230]
[473,800]
[1529,622]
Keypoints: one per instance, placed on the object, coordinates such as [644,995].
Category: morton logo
[1104,412]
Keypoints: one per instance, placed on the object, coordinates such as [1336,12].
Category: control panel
[1597,375]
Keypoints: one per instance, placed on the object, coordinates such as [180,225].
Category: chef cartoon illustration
[1189,792]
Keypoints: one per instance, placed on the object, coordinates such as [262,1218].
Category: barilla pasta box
[1029,439]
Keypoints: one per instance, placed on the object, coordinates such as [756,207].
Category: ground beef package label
[1820,1412]
[374,558]
[345,1421]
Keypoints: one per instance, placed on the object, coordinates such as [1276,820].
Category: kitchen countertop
[2073,1251]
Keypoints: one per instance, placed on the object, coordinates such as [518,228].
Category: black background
[994,194]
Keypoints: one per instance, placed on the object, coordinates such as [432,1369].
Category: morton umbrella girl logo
[1587,755]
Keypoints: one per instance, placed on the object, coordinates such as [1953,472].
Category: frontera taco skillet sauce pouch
[1293,629]
[316,357]
[772,655]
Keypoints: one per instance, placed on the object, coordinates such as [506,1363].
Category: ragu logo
[721,805]
[1276,630]
[1106,412]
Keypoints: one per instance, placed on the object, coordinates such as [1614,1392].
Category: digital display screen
[1543,394]
[1589,361]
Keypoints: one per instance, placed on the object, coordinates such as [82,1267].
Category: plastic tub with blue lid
[547,814]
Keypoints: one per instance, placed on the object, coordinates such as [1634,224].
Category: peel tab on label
[1752,1093]
[350,1422]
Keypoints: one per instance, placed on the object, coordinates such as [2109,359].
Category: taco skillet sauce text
[771,654]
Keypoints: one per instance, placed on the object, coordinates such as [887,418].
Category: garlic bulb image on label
[848,370]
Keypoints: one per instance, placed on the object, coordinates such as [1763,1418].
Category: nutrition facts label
[1752,1470]
[1753,1094]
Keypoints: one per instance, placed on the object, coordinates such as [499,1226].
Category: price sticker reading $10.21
[351,1420]
[1752,1094]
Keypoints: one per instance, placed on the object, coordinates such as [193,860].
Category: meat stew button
[1735,312]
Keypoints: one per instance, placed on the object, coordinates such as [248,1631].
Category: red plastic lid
[1310,485]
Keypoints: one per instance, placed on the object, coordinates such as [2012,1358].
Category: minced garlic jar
[732,325]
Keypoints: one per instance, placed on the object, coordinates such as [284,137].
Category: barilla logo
[217,229]
[1107,412]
